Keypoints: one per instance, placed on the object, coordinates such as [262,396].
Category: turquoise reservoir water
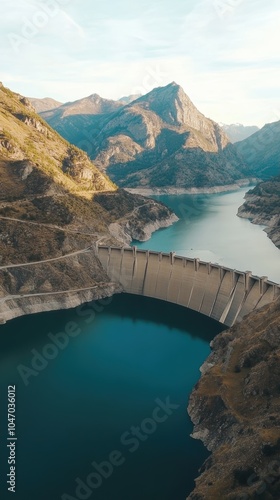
[105,408]
[210,230]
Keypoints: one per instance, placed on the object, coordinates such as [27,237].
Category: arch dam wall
[221,293]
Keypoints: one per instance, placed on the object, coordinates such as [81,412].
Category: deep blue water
[109,378]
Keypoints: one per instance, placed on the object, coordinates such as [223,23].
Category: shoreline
[203,190]
[269,226]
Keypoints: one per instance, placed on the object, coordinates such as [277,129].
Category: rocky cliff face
[159,140]
[262,206]
[55,206]
[235,410]
[261,151]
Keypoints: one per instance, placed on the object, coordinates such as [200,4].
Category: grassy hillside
[25,135]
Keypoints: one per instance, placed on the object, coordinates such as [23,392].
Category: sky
[224,53]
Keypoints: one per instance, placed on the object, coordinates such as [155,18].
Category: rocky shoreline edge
[240,183]
[127,233]
[271,225]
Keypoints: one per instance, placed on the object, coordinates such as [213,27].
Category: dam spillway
[223,294]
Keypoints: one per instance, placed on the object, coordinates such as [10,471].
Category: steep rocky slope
[261,151]
[237,132]
[235,409]
[159,140]
[262,206]
[55,206]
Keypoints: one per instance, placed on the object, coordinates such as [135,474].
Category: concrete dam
[221,293]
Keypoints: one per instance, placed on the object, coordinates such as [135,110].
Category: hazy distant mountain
[91,105]
[76,120]
[130,98]
[238,132]
[44,104]
[261,151]
[162,140]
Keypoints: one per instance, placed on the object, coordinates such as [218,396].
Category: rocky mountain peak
[174,107]
[94,97]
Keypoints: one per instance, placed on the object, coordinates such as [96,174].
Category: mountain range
[92,124]
[159,140]
[235,132]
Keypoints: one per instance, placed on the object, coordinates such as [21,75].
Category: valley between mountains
[161,143]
